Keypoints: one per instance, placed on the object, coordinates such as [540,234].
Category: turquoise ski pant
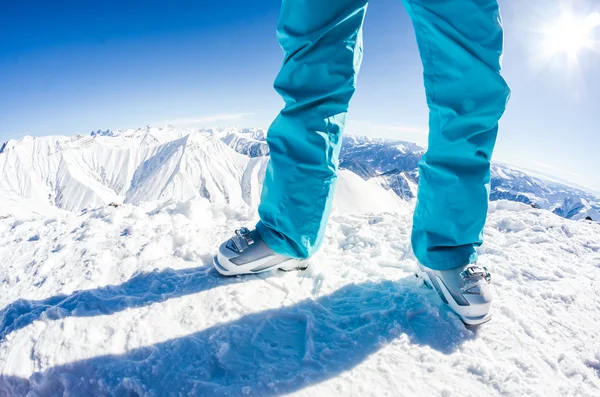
[460,43]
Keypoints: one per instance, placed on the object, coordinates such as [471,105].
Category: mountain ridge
[152,163]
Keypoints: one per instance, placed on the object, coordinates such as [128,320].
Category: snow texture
[122,300]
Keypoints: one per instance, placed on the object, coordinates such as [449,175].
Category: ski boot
[464,289]
[247,253]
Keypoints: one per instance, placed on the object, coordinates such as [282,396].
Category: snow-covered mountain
[393,165]
[574,207]
[89,171]
[147,164]
[249,141]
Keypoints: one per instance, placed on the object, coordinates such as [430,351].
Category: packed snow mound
[354,195]
[124,301]
[132,166]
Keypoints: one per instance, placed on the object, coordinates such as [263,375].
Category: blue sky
[71,67]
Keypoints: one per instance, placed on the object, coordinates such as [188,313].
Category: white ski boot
[247,253]
[465,289]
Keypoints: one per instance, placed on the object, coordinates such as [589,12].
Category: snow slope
[123,301]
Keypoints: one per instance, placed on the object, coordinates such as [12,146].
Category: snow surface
[124,301]
[98,300]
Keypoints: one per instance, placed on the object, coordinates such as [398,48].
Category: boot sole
[226,272]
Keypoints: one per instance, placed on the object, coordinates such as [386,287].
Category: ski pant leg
[460,42]
[322,44]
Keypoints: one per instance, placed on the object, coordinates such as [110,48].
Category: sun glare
[571,34]
[564,40]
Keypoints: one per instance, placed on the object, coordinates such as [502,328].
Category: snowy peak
[515,185]
[223,165]
[577,208]
[147,164]
[195,165]
[371,157]
[250,142]
[88,171]
[403,183]
[102,133]
[147,135]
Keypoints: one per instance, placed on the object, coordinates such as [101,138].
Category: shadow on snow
[142,290]
[268,353]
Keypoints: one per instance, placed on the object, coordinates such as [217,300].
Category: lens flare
[570,35]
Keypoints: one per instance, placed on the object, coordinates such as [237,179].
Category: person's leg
[460,42]
[322,42]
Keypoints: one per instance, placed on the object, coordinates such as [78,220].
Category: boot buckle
[242,240]
[475,270]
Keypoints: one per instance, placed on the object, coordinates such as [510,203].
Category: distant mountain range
[225,165]
[393,164]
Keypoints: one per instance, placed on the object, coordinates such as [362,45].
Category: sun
[565,41]
[570,34]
